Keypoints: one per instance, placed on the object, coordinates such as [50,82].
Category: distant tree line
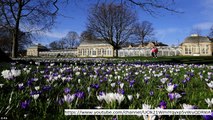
[71,40]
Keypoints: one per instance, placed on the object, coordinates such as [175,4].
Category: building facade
[35,49]
[196,45]
[59,53]
[95,48]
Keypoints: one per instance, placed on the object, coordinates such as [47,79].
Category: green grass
[174,59]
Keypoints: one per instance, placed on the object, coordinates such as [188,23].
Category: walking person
[156,52]
[153,52]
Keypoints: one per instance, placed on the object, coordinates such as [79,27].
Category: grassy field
[35,90]
[174,59]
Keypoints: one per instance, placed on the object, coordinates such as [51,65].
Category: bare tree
[112,22]
[144,31]
[38,14]
[211,32]
[87,35]
[6,40]
[71,39]
[154,6]
[54,45]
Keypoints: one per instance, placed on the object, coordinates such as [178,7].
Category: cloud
[203,26]
[162,33]
[54,34]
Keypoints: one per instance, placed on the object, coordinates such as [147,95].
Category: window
[93,52]
[103,51]
[99,52]
[205,49]
[84,52]
[80,52]
[188,50]
[90,51]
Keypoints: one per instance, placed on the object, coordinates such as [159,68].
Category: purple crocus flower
[191,74]
[69,98]
[162,104]
[30,82]
[100,81]
[131,83]
[184,81]
[96,86]
[208,117]
[79,94]
[121,91]
[25,104]
[35,92]
[173,96]
[188,79]
[46,88]
[151,93]
[101,93]
[60,101]
[146,80]
[21,86]
[66,90]
[167,75]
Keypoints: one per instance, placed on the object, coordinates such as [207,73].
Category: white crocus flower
[122,85]
[130,97]
[101,97]
[98,107]
[77,73]
[177,96]
[210,84]
[88,89]
[119,77]
[6,74]
[109,98]
[20,85]
[119,98]
[148,117]
[112,84]
[187,106]
[69,98]
[37,87]
[137,95]
[35,96]
[209,102]
[16,73]
[79,81]
[170,88]
[163,80]
[1,85]
[63,78]
[146,106]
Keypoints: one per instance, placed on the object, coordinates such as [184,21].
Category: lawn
[42,90]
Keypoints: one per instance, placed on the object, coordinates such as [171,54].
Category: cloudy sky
[170,28]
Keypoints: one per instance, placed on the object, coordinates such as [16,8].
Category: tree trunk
[16,32]
[116,52]
[15,44]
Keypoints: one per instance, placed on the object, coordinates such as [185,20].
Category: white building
[95,48]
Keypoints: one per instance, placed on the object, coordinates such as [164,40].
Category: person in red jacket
[153,52]
[156,52]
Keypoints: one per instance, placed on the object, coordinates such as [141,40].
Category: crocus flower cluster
[111,97]
[10,74]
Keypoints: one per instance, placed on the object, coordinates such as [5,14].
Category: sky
[170,28]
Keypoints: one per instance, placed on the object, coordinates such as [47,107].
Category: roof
[196,39]
[93,42]
[39,46]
